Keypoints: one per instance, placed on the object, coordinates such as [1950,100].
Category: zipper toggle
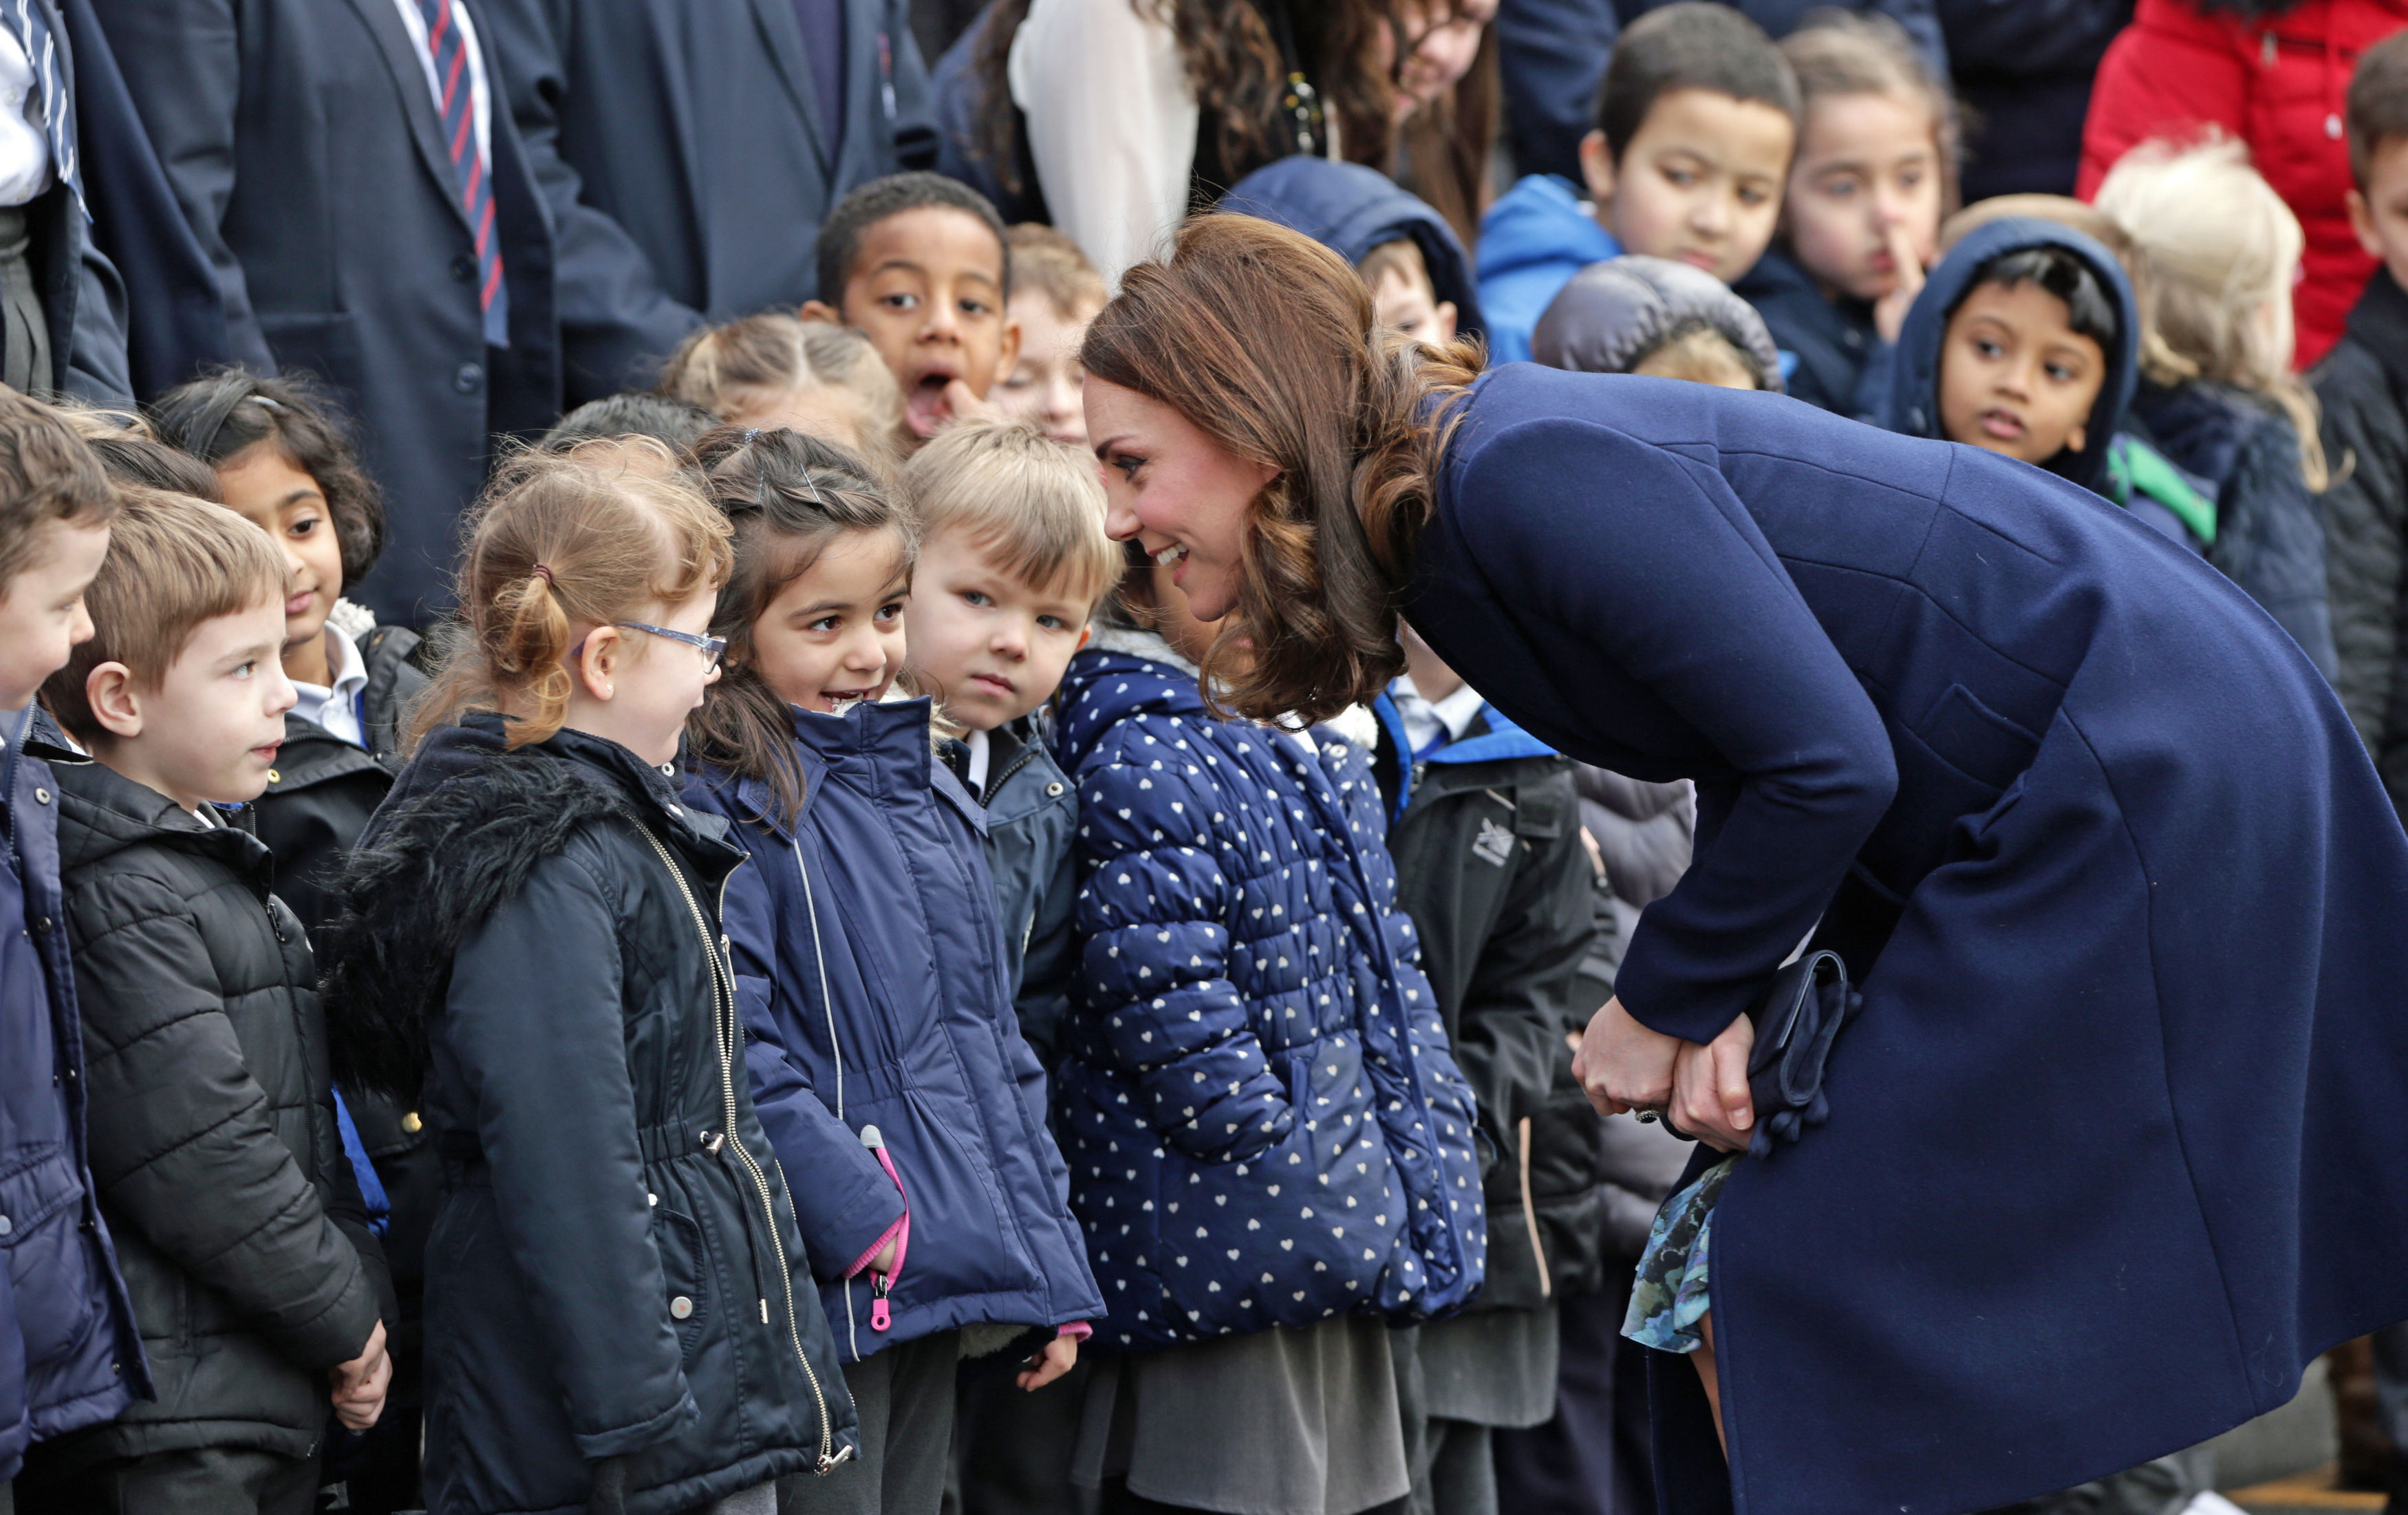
[713,1141]
[883,1284]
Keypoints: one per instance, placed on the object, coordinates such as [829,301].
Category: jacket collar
[455,751]
[1491,738]
[2379,322]
[102,813]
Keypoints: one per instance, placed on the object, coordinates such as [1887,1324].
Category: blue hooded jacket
[69,1353]
[1536,236]
[1351,209]
[1262,1117]
[870,973]
[1911,402]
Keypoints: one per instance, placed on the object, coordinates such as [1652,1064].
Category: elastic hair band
[543,572]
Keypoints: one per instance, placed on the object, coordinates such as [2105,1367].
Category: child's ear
[1597,167]
[1008,355]
[2076,437]
[115,702]
[822,310]
[2362,220]
[1443,319]
[595,664]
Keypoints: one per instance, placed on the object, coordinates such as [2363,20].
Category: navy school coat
[2114,1148]
[1264,1123]
[874,991]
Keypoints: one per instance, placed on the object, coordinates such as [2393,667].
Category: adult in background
[372,221]
[2022,763]
[1779,18]
[689,153]
[62,306]
[2274,72]
[2023,68]
[1123,115]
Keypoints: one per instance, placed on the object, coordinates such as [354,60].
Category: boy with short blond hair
[1013,561]
[210,1108]
[1054,293]
[2362,389]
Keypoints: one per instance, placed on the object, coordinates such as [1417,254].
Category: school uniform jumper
[2110,1151]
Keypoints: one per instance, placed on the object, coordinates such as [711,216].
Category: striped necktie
[458,102]
[58,121]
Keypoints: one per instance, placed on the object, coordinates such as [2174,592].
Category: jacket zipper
[725,1026]
[835,1055]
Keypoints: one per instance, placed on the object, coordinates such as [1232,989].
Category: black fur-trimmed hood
[467,824]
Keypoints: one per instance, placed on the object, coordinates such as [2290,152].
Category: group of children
[801,955]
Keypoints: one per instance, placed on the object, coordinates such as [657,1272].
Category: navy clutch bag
[1802,1016]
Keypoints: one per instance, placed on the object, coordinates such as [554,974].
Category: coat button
[43,925]
[6,1225]
[680,1307]
[412,1123]
[1054,791]
[651,1199]
[41,796]
[275,778]
[470,378]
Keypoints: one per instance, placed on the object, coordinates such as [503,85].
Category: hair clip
[750,433]
[272,404]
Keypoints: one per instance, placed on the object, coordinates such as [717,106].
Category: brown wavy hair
[597,535]
[1264,340]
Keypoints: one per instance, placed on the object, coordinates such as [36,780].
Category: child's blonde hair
[1037,503]
[2217,249]
[1045,260]
[746,366]
[173,563]
[600,535]
[1840,53]
[1398,258]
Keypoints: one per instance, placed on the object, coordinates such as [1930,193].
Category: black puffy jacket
[1489,864]
[238,1222]
[2362,386]
[615,1287]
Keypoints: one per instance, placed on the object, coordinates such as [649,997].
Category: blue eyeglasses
[712,648]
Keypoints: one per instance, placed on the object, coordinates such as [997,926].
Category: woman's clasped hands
[1700,1088]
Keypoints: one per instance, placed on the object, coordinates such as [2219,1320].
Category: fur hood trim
[438,868]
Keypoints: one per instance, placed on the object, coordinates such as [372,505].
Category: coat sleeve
[182,64]
[614,316]
[2366,527]
[1686,600]
[1155,963]
[849,1202]
[543,1057]
[1513,1018]
[95,369]
[2173,73]
[182,1145]
[914,123]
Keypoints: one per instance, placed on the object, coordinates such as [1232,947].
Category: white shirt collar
[981,751]
[1425,718]
[335,708]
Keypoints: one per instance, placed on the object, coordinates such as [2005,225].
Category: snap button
[673,809]
[6,1225]
[412,1123]
[470,378]
[275,778]
[1054,791]
[41,796]
[680,1307]
[651,1199]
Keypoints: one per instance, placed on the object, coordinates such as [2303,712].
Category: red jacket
[2275,81]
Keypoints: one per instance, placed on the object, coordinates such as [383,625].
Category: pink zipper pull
[883,1284]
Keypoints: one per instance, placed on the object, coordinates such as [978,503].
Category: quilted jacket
[1262,1119]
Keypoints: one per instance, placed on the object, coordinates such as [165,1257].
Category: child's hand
[882,1259]
[966,406]
[1889,311]
[360,1384]
[1057,1357]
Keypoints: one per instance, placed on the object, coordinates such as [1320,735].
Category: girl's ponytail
[597,535]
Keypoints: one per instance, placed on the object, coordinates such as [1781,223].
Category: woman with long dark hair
[2110,1146]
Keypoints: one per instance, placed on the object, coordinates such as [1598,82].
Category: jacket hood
[466,826]
[1351,209]
[1613,313]
[1542,219]
[1123,671]
[1912,403]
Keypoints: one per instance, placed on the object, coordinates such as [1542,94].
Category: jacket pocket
[48,1262]
[679,1240]
[1977,741]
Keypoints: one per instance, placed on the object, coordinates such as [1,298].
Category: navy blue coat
[1826,345]
[869,968]
[1263,1124]
[1031,814]
[2114,1148]
[69,1355]
[1351,209]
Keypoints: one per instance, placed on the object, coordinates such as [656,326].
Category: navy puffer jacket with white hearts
[1262,1120]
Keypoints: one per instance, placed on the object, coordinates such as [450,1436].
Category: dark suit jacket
[80,294]
[680,146]
[302,143]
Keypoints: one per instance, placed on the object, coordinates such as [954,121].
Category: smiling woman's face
[1182,496]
